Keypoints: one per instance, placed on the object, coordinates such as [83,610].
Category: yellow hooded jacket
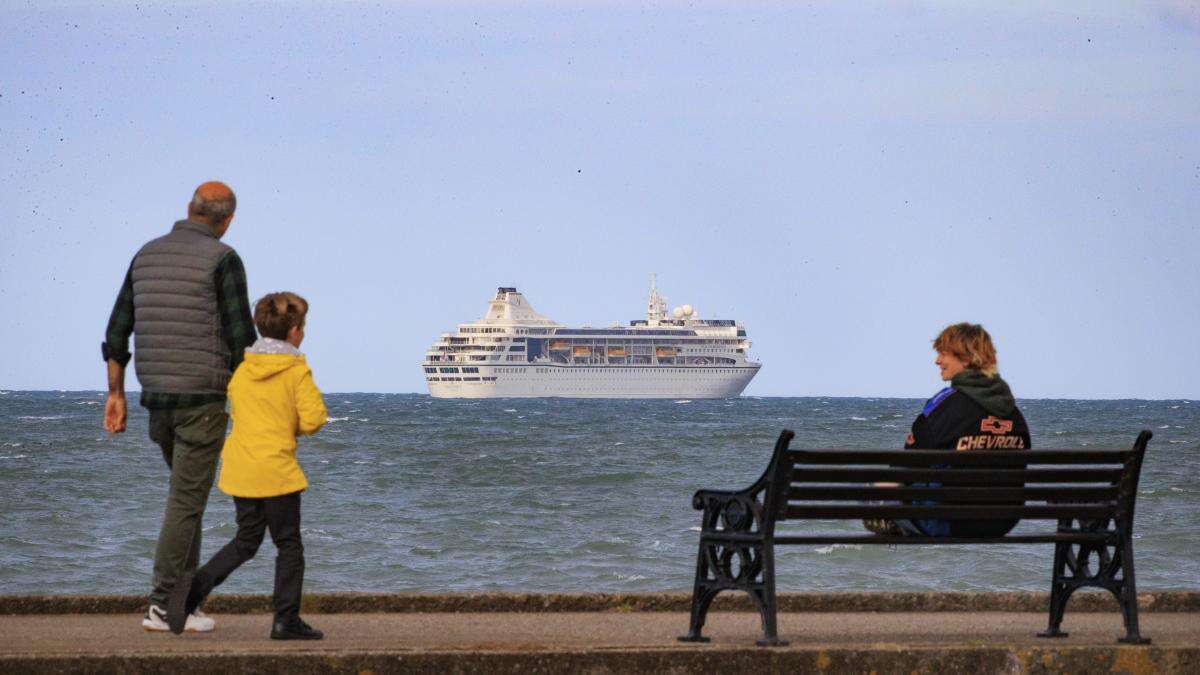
[272,398]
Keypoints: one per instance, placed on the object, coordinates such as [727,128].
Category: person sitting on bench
[976,412]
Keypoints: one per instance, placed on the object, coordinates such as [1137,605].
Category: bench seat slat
[947,512]
[953,458]
[977,495]
[1072,537]
[995,477]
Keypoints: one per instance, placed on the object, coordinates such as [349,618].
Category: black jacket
[977,412]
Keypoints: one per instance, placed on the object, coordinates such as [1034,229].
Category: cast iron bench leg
[767,604]
[702,597]
[1059,593]
[1128,596]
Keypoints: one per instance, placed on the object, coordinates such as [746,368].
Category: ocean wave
[13,456]
[41,417]
[337,419]
[684,401]
[858,419]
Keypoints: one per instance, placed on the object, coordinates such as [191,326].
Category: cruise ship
[513,351]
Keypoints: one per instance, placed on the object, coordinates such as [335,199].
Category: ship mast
[656,307]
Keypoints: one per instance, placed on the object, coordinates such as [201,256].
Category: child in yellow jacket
[272,398]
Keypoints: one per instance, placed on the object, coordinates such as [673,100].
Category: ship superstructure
[514,351]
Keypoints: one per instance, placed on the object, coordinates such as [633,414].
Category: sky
[844,178]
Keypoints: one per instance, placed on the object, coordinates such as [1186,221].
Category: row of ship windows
[473,369]
[558,371]
[519,331]
[477,342]
[461,379]
[568,371]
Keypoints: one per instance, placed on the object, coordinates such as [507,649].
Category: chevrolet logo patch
[995,425]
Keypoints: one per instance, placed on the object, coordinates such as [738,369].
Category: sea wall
[332,603]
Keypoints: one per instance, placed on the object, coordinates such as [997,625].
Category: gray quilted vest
[178,347]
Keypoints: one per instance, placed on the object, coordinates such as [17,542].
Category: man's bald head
[214,203]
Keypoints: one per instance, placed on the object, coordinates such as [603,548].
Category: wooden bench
[1090,495]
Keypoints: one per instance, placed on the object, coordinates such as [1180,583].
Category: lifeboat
[560,344]
[616,351]
[581,351]
[660,352]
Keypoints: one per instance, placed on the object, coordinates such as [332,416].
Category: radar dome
[687,310]
[677,312]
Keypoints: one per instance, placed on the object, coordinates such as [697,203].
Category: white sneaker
[156,620]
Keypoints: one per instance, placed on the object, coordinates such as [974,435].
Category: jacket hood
[989,391]
[268,357]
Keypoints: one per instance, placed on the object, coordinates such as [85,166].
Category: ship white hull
[530,381]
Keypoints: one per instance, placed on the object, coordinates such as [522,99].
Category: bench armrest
[703,497]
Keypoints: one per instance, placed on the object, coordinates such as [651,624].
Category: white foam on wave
[41,417]
[13,456]
[1178,442]
[1165,426]
[858,419]
[337,419]
[826,550]
[510,410]
[684,401]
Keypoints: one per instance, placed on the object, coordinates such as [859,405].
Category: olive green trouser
[191,440]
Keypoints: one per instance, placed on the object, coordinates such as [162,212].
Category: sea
[413,494]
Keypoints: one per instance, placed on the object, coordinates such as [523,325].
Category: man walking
[184,299]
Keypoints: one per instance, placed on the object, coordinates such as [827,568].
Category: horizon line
[128,393]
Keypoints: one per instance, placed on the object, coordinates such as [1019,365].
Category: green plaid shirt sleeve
[233,304]
[120,324]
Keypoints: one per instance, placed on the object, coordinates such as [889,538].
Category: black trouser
[280,515]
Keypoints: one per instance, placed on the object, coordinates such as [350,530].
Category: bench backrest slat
[948,511]
[955,476]
[952,495]
[972,458]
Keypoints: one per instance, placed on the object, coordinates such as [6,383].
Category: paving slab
[604,642]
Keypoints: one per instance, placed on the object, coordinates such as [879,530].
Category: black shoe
[295,629]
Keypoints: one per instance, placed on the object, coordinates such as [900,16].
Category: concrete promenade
[616,633]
